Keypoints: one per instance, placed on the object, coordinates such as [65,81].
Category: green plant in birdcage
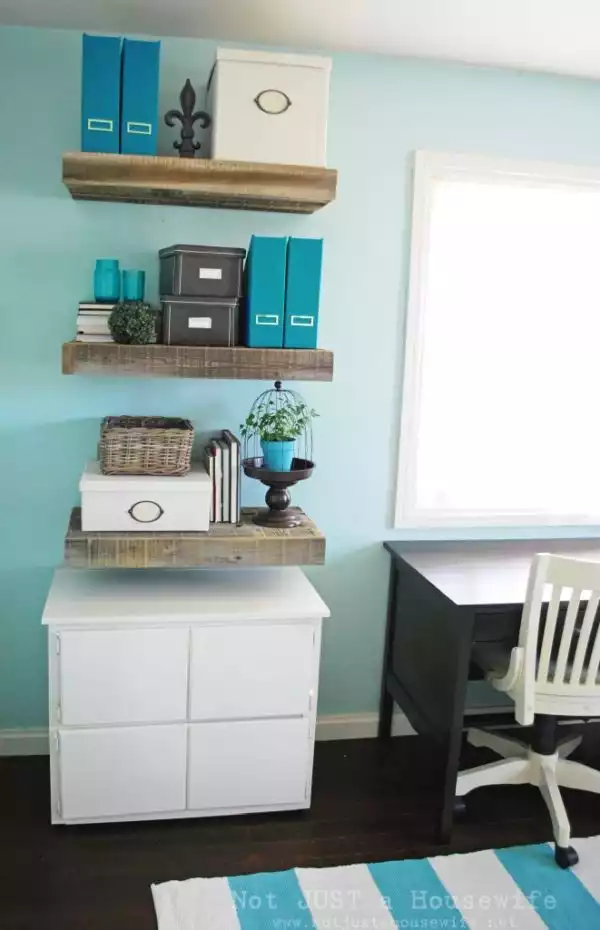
[279,419]
[278,424]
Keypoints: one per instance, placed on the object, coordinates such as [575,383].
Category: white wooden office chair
[553,672]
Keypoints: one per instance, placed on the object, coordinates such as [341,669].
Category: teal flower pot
[277,456]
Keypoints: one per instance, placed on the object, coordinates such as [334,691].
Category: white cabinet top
[194,596]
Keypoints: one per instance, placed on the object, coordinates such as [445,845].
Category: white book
[101,329]
[92,307]
[100,317]
[226,483]
[209,461]
[234,473]
[88,333]
[218,481]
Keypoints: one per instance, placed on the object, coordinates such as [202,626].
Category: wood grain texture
[224,545]
[195,182]
[232,362]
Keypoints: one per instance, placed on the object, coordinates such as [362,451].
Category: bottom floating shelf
[158,361]
[225,544]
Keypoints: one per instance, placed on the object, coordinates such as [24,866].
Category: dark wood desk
[444,598]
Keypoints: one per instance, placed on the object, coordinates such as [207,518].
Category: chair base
[523,765]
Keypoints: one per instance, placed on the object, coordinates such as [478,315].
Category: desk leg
[452,752]
[426,668]
[453,737]
[386,701]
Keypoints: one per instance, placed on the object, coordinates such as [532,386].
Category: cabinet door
[252,670]
[122,771]
[254,763]
[123,676]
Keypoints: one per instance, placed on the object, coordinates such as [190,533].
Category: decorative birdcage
[278,450]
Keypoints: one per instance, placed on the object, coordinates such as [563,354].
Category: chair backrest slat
[593,669]
[561,655]
[549,633]
[585,637]
[566,639]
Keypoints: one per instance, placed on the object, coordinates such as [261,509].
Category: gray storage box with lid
[201,271]
[200,321]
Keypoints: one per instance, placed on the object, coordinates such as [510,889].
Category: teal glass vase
[133,284]
[107,282]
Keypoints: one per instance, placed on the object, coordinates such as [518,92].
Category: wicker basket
[146,446]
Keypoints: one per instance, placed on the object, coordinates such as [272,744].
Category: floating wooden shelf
[224,545]
[198,182]
[157,361]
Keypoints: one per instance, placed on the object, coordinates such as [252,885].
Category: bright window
[501,400]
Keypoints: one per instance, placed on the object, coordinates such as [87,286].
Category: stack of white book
[223,461]
[92,322]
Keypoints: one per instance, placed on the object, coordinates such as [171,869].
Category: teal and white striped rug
[505,889]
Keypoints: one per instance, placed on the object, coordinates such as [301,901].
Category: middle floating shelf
[233,362]
[225,544]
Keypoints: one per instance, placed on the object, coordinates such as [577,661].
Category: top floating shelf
[198,182]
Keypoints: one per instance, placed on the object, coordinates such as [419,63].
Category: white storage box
[269,107]
[130,503]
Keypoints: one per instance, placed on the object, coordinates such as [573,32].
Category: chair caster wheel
[459,808]
[566,856]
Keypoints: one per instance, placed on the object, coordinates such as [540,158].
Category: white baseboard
[34,742]
[358,726]
[24,742]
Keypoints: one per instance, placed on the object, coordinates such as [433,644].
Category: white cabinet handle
[145,511]
[272,101]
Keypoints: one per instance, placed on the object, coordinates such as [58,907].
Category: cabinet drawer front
[123,676]
[251,763]
[116,772]
[251,671]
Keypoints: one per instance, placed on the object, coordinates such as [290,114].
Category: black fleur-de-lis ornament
[187,117]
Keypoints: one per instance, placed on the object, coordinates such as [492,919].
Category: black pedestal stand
[278,497]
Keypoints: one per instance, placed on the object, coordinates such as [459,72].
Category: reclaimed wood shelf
[198,182]
[234,362]
[225,544]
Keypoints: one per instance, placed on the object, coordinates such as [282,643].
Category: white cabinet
[122,771]
[122,676]
[254,763]
[254,670]
[181,694]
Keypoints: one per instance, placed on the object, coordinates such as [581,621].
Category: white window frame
[431,166]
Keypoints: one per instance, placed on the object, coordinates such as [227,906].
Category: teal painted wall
[381,111]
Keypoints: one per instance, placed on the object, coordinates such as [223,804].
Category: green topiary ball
[133,323]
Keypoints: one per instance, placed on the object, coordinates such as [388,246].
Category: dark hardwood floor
[372,801]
